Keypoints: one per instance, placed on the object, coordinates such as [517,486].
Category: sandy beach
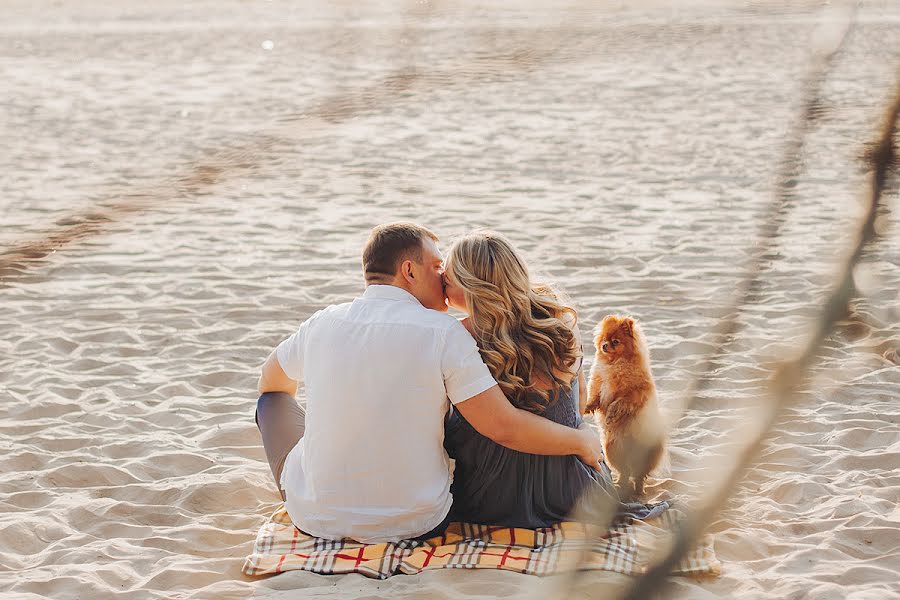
[184,183]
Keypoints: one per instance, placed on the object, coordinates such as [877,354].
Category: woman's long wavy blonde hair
[520,327]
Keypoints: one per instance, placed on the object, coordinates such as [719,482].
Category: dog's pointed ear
[628,326]
[598,331]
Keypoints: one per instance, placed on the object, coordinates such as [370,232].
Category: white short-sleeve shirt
[378,373]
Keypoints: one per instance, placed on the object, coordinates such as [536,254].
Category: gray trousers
[281,422]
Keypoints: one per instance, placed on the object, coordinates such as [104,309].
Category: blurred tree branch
[790,374]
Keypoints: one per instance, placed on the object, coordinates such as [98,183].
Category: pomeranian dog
[622,391]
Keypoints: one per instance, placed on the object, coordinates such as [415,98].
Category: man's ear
[406,270]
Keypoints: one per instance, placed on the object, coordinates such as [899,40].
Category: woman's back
[496,485]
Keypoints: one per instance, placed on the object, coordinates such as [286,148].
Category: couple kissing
[413,418]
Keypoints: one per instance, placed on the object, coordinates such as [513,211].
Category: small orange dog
[621,389]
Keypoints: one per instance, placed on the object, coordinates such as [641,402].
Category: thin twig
[770,228]
[769,232]
[790,374]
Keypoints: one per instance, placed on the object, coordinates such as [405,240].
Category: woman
[529,340]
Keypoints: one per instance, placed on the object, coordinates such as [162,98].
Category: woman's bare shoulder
[467,323]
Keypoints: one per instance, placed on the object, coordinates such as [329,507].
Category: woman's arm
[582,391]
[593,399]
[571,322]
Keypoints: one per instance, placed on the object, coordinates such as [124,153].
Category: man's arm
[492,415]
[273,378]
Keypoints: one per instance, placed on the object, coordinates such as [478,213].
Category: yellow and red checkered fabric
[623,548]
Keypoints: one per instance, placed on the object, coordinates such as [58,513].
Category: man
[366,460]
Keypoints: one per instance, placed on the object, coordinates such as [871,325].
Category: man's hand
[592,453]
[273,378]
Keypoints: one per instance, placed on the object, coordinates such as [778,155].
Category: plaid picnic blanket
[623,548]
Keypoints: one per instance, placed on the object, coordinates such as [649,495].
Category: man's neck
[385,281]
[392,283]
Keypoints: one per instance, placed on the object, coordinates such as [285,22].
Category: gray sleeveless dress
[498,486]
